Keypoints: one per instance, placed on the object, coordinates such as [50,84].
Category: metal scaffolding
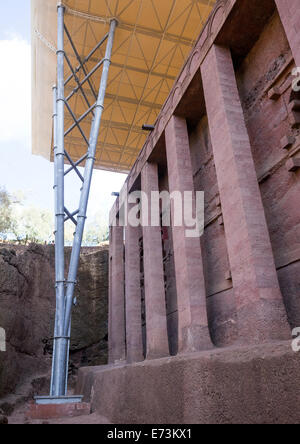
[65,288]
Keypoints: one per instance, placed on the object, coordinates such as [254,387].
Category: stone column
[193,333]
[110,357]
[117,301]
[156,319]
[289,12]
[260,309]
[133,304]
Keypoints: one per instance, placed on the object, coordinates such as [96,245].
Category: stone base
[57,411]
[256,385]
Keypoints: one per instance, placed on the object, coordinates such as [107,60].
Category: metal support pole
[59,349]
[64,299]
[55,209]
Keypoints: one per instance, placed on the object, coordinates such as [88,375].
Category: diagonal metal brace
[77,81]
[79,60]
[81,118]
[87,77]
[87,58]
[73,166]
[71,216]
[76,122]
[76,164]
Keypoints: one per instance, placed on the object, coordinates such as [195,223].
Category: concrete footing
[256,385]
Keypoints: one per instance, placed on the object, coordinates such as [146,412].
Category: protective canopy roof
[152,42]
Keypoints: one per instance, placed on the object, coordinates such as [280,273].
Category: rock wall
[27,307]
[234,385]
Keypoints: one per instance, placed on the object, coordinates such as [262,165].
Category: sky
[19,169]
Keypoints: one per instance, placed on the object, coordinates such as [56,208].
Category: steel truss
[65,288]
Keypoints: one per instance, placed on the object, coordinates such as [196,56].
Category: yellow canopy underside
[152,42]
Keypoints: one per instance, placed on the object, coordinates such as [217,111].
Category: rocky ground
[27,306]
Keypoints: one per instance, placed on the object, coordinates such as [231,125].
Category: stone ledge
[256,385]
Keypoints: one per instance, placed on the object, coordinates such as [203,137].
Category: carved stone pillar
[193,333]
[260,308]
[133,294]
[156,320]
[117,351]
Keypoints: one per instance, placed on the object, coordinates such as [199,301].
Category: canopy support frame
[65,288]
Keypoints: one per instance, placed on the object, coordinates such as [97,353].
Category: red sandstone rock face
[26,313]
[27,304]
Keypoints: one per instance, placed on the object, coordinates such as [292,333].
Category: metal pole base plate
[57,400]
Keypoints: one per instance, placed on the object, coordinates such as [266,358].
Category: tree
[6,220]
[96,230]
[23,223]
[32,224]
